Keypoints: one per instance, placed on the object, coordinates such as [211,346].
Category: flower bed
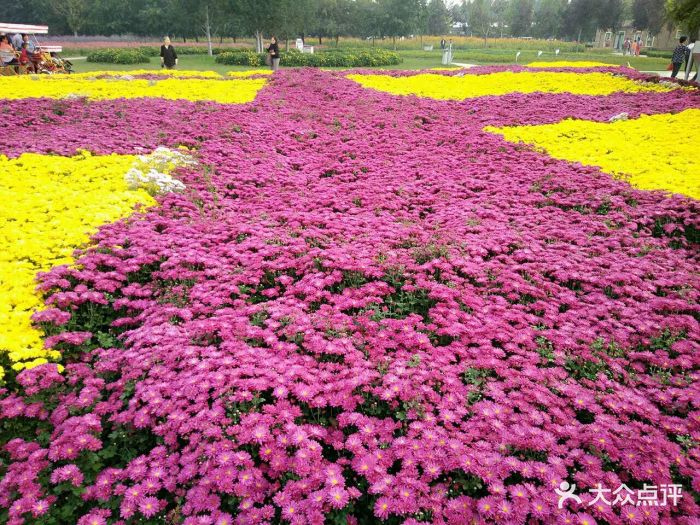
[631,149]
[452,87]
[568,64]
[57,203]
[363,309]
[234,91]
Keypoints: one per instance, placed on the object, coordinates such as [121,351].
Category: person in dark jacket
[168,56]
[274,52]
[680,55]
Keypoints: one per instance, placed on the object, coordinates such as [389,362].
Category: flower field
[314,297]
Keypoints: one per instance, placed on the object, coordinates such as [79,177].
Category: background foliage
[188,19]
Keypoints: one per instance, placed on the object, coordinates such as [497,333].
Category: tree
[438,18]
[73,11]
[256,18]
[649,14]
[685,13]
[459,14]
[398,18]
[610,14]
[499,12]
[580,19]
[520,17]
[481,17]
[548,18]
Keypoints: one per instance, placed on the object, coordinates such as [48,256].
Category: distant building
[667,38]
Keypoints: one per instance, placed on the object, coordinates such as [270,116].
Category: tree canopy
[186,19]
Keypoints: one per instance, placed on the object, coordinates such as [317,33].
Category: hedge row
[140,55]
[183,50]
[658,53]
[118,56]
[327,58]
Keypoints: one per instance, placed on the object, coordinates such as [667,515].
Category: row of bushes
[658,53]
[141,55]
[328,58]
[184,50]
[113,55]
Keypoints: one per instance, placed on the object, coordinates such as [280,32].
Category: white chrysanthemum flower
[152,172]
[619,116]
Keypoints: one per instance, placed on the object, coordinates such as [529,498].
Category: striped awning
[23,28]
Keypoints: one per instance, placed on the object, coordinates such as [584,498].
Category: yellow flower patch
[57,203]
[238,91]
[650,152]
[564,63]
[174,73]
[502,83]
[249,73]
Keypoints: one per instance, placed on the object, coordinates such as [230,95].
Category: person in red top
[25,58]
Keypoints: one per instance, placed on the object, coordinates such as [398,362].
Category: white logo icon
[566,492]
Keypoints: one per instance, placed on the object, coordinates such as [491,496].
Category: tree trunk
[286,45]
[336,40]
[394,42]
[207,29]
[320,42]
[258,42]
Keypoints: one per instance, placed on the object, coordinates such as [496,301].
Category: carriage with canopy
[43,58]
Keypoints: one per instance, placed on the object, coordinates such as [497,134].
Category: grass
[413,59]
[185,62]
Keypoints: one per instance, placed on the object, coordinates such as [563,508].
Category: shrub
[183,50]
[243,57]
[658,53]
[118,56]
[328,58]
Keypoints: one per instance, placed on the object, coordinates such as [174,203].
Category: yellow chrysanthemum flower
[502,83]
[57,203]
[174,73]
[649,151]
[239,91]
[571,63]
[249,73]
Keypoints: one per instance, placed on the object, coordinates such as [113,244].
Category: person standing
[17,42]
[694,61]
[168,56]
[274,51]
[680,55]
[443,44]
[30,45]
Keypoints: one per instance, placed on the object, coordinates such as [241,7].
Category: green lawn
[185,62]
[412,60]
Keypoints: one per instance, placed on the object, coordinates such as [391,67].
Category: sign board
[300,44]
